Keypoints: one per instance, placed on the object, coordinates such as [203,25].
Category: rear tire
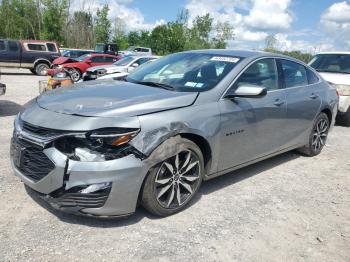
[171,184]
[318,136]
[344,119]
[41,69]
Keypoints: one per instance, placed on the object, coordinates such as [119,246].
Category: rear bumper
[344,104]
[2,89]
[125,176]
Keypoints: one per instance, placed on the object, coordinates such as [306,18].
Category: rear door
[303,99]
[3,53]
[253,127]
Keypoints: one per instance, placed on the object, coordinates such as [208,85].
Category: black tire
[344,119]
[178,194]
[317,137]
[41,69]
[75,74]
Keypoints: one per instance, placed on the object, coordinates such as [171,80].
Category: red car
[79,66]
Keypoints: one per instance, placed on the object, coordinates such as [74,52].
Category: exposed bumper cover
[344,104]
[2,89]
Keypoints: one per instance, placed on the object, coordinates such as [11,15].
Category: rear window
[36,47]
[51,47]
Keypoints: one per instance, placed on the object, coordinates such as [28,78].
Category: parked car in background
[69,56]
[2,87]
[35,55]
[109,48]
[100,148]
[136,50]
[78,66]
[334,67]
[120,68]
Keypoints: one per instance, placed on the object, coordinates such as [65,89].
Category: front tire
[173,183]
[75,74]
[318,136]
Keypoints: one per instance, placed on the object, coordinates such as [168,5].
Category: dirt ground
[288,208]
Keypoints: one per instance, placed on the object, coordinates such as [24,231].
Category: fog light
[95,187]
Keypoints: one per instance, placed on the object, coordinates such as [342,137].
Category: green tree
[54,15]
[102,25]
[223,33]
[119,35]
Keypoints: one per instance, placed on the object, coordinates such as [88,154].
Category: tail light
[343,90]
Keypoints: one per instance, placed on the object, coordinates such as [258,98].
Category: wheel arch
[41,60]
[328,112]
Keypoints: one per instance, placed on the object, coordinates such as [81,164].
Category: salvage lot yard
[288,208]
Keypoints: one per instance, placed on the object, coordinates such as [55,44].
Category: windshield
[66,53]
[188,72]
[124,61]
[100,47]
[130,48]
[333,63]
[83,57]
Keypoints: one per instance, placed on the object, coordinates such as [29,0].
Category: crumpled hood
[110,98]
[63,60]
[110,68]
[336,78]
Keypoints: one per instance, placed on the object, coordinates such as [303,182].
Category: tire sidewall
[149,200]
[40,72]
[74,71]
[318,118]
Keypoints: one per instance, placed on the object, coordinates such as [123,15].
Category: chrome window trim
[273,57]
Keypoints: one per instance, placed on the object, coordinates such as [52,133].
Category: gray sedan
[100,148]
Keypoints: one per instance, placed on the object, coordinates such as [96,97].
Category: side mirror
[135,65]
[248,92]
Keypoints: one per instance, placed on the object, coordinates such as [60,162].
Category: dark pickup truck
[35,55]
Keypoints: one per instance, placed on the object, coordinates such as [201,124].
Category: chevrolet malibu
[100,148]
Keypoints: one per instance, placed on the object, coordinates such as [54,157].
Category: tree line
[54,20]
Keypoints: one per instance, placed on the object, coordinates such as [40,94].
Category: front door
[253,127]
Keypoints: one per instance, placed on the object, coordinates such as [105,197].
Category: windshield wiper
[155,84]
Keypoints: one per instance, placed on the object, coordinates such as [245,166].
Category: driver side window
[262,73]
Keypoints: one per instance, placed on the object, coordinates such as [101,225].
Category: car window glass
[98,59]
[36,47]
[262,73]
[142,61]
[311,76]
[51,47]
[109,59]
[294,74]
[332,63]
[2,46]
[13,46]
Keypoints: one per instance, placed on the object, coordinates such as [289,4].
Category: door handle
[278,102]
[313,96]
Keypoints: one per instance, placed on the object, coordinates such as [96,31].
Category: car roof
[233,52]
[95,54]
[334,53]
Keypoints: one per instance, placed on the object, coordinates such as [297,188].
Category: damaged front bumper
[75,187]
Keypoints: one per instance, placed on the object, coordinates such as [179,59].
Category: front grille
[33,163]
[40,131]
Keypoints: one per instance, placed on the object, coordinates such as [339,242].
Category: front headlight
[99,145]
[343,90]
[112,137]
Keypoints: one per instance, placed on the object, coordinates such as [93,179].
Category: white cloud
[133,18]
[263,16]
[269,15]
[335,22]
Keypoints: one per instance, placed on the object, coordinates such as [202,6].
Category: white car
[334,67]
[118,69]
[137,50]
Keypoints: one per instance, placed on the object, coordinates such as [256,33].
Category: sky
[309,25]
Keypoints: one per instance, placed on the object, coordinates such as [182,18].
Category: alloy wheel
[320,134]
[177,179]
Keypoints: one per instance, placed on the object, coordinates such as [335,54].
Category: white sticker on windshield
[191,84]
[229,59]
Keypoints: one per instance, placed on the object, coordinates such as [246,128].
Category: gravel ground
[288,208]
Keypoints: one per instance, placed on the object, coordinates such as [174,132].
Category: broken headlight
[99,145]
